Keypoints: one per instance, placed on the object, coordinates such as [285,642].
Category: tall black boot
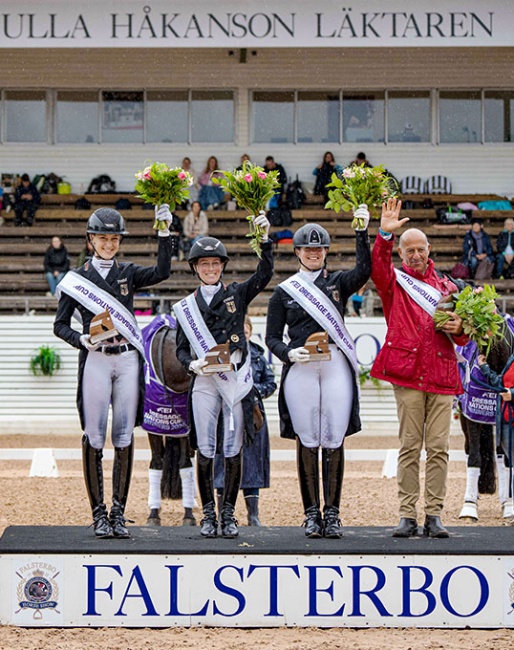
[332,467]
[308,476]
[209,523]
[93,476]
[121,475]
[233,467]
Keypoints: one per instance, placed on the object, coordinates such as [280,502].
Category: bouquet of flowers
[159,184]
[361,185]
[480,318]
[252,188]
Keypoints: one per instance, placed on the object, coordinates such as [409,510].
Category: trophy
[218,359]
[102,327]
[317,345]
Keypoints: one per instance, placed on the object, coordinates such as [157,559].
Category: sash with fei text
[324,312]
[97,300]
[232,386]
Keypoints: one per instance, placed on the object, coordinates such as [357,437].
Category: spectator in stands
[195,187]
[26,199]
[323,173]
[280,193]
[196,225]
[85,254]
[211,196]
[361,303]
[57,263]
[476,246]
[505,248]
[361,160]
[245,157]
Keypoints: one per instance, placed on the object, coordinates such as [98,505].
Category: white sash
[318,305]
[422,293]
[427,298]
[232,386]
[97,300]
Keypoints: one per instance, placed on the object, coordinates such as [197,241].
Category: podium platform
[267,577]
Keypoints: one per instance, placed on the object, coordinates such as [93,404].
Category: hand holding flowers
[161,185]
[359,186]
[252,188]
[477,309]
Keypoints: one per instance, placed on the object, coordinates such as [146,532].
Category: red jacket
[414,354]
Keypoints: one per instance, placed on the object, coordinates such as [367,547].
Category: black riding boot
[230,492]
[209,523]
[332,467]
[121,474]
[252,507]
[308,475]
[93,476]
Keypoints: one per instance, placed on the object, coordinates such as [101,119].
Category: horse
[477,417]
[171,473]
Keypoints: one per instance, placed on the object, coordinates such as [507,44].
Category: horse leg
[487,480]
[188,481]
[155,478]
[472,447]
[506,501]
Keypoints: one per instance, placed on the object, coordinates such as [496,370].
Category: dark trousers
[25,206]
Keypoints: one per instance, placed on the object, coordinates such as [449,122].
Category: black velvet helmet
[207,247]
[311,236]
[106,221]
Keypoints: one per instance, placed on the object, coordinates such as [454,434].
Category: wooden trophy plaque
[317,345]
[102,328]
[218,359]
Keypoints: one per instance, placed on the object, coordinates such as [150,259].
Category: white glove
[162,213]
[362,213]
[299,355]
[262,221]
[197,366]
[85,341]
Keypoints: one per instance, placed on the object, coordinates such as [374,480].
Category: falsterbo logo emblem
[37,589]
[511,591]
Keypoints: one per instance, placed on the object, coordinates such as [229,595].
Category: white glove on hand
[299,355]
[362,214]
[162,213]
[85,341]
[262,221]
[197,366]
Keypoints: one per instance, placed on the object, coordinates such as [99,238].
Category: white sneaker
[507,510]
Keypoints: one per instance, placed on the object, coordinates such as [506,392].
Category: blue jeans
[53,280]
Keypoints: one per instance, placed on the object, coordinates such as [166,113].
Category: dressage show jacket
[123,280]
[224,318]
[283,310]
[414,355]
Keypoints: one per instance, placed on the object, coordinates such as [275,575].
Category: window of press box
[460,116]
[408,116]
[273,117]
[212,116]
[167,116]
[76,117]
[363,116]
[122,116]
[25,116]
[318,117]
[499,116]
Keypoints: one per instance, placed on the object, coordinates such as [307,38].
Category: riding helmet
[311,236]
[106,221]
[207,247]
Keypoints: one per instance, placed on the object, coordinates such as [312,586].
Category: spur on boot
[331,523]
[209,523]
[313,523]
[101,524]
[228,522]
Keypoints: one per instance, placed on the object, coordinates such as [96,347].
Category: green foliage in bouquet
[361,185]
[480,318]
[46,362]
[251,187]
[159,184]
[365,375]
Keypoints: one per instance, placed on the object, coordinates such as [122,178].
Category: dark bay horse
[167,385]
[478,406]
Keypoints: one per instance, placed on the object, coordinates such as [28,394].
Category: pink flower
[181,175]
[261,175]
[248,178]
